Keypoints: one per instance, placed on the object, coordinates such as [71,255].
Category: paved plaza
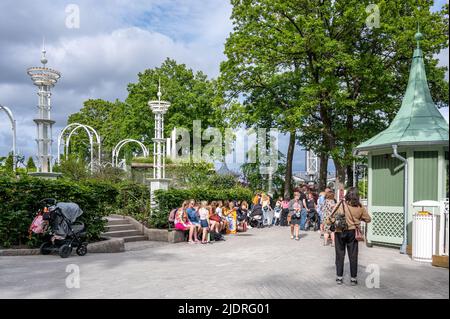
[261,263]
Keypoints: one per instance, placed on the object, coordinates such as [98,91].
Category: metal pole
[405,215]
[354,174]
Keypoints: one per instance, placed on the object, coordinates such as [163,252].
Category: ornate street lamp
[44,78]
[159,180]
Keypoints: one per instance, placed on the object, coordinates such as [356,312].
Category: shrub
[173,198]
[19,199]
[134,200]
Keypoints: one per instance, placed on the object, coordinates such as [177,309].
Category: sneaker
[339,281]
[353,281]
[296,238]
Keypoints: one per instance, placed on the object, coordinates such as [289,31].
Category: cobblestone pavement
[261,263]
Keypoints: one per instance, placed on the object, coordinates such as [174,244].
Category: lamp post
[44,78]
[159,180]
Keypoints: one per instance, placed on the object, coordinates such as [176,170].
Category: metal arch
[118,147]
[13,127]
[89,130]
[78,124]
[97,137]
[91,142]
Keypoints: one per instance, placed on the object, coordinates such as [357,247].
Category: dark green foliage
[19,199]
[31,167]
[173,198]
[134,200]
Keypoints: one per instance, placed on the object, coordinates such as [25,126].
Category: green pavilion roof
[418,122]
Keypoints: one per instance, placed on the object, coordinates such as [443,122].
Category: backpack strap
[336,208]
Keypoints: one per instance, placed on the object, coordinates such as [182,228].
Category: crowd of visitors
[307,210]
[206,221]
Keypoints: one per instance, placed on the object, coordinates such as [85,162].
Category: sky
[115,40]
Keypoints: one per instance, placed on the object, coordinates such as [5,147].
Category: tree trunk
[349,170]
[289,159]
[323,170]
[340,176]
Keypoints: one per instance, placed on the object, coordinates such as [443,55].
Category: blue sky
[116,40]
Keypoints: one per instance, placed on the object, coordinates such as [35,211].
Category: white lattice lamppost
[44,78]
[159,180]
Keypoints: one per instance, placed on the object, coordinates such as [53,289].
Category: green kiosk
[407,162]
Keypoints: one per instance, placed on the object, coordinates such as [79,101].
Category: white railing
[443,231]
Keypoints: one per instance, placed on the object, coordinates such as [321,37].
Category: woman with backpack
[347,237]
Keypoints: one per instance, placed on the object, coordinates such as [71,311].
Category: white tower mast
[159,181]
[44,78]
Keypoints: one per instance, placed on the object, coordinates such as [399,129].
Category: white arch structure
[13,127]
[91,132]
[118,147]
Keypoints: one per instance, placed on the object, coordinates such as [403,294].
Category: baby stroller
[63,232]
[256,217]
[312,220]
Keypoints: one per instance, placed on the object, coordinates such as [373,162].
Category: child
[204,212]
[277,212]
[295,218]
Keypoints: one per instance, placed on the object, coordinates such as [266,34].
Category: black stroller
[312,220]
[255,219]
[64,232]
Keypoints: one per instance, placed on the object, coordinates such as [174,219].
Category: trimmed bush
[134,200]
[19,199]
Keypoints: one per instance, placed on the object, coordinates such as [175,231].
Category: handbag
[359,235]
[337,220]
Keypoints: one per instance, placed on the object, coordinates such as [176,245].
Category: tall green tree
[316,70]
[31,166]
[192,96]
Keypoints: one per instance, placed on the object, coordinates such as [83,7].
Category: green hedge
[173,198]
[19,199]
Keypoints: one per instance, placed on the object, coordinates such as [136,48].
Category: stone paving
[261,263]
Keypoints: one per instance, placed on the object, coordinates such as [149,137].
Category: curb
[110,245]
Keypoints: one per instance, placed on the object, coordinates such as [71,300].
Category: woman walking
[296,208]
[345,239]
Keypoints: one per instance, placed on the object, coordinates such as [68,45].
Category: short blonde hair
[329,195]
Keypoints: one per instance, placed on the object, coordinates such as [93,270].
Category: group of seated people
[201,219]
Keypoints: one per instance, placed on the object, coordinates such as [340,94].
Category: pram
[255,219]
[312,220]
[62,231]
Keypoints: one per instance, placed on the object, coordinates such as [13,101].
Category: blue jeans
[265,211]
[303,216]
